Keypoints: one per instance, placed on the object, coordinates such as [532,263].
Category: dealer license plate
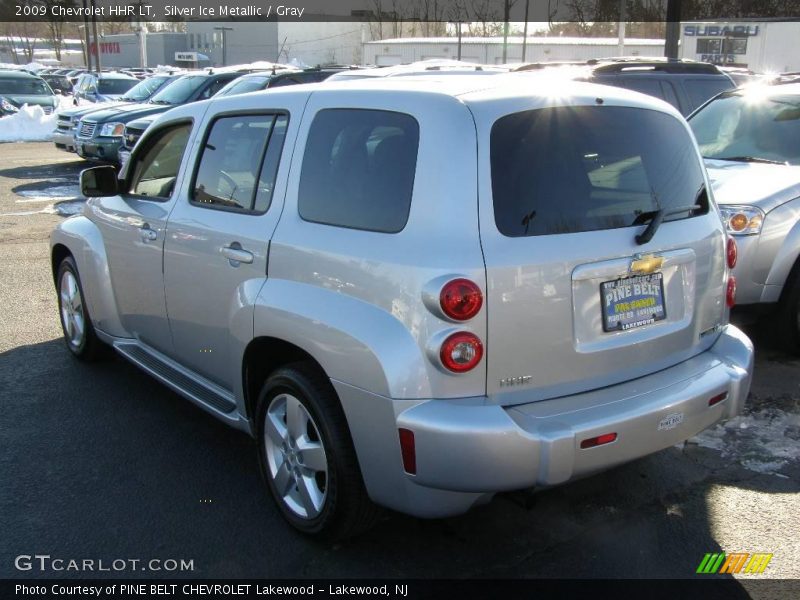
[632,302]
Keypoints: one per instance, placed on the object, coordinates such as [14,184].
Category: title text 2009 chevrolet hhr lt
[416,293]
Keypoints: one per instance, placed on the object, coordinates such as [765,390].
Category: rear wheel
[786,327]
[79,334]
[307,456]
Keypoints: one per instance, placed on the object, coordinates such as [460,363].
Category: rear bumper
[467,450]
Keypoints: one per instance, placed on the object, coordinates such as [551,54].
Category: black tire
[786,323]
[346,509]
[88,347]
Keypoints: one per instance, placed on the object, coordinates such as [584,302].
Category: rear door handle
[236,254]
[147,234]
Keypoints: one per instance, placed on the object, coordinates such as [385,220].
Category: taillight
[731,252]
[461,299]
[461,352]
[730,293]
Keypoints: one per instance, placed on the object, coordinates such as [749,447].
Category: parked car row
[98,133]
[399,330]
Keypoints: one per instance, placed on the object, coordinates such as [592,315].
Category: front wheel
[76,324]
[307,456]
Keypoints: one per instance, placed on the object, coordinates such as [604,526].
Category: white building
[761,46]
[309,42]
[490,50]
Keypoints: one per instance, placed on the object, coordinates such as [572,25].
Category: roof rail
[665,66]
[536,66]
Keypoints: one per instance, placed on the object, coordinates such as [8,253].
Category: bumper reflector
[408,451]
[718,398]
[606,438]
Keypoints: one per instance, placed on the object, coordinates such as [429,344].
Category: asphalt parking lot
[101,462]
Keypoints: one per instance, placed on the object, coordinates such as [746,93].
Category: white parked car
[750,139]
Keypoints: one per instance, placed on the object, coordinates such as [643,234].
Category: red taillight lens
[731,252]
[408,450]
[461,299]
[730,294]
[606,438]
[461,352]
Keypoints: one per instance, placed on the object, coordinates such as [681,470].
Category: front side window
[116,86]
[239,163]
[155,169]
[750,127]
[583,168]
[358,169]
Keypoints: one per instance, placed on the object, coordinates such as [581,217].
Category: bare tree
[55,23]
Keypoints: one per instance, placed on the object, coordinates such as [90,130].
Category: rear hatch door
[574,301]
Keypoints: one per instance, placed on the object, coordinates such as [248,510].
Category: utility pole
[505,30]
[142,40]
[224,30]
[673,28]
[525,31]
[458,25]
[621,29]
[86,35]
[94,35]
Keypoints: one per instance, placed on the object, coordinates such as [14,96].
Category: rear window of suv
[584,168]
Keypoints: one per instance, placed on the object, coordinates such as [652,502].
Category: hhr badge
[512,381]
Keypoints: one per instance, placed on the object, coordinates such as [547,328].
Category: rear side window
[650,86]
[239,162]
[700,90]
[584,168]
[358,169]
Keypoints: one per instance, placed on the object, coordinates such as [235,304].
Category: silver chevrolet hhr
[416,293]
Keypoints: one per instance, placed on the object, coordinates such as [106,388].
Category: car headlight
[112,129]
[7,106]
[742,220]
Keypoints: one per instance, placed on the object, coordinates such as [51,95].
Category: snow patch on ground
[763,441]
[30,124]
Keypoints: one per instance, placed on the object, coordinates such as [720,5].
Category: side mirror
[99,182]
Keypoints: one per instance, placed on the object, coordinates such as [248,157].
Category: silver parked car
[416,293]
[750,139]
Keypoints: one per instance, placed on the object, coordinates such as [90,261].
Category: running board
[178,378]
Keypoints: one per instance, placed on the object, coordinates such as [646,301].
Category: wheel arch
[79,238]
[262,357]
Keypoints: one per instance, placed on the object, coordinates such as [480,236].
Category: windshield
[180,90]
[750,127]
[144,89]
[24,87]
[584,168]
[115,86]
[244,85]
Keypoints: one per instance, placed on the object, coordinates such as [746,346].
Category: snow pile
[764,441]
[30,124]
